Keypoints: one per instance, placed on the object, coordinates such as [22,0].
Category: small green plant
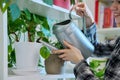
[45,51]
[95,67]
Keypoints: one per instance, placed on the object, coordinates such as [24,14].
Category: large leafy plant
[22,24]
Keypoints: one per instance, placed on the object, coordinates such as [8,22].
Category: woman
[82,70]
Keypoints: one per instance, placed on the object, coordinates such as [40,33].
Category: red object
[62,3]
[96,10]
[108,18]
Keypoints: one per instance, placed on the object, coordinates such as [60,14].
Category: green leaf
[5,7]
[9,48]
[13,56]
[15,11]
[72,2]
[100,73]
[40,34]
[36,19]
[45,24]
[94,64]
[44,52]
[27,14]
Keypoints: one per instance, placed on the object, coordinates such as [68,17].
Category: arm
[112,72]
[82,72]
[100,49]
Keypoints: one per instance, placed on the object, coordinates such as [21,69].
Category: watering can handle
[83,21]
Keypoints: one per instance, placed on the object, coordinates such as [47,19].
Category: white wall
[91,5]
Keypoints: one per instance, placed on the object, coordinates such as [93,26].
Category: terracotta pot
[54,65]
[62,3]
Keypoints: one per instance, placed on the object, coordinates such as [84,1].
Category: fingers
[64,57]
[80,8]
[67,44]
[61,54]
[58,51]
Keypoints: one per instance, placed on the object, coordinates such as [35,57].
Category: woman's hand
[82,10]
[70,54]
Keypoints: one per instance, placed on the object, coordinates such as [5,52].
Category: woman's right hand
[82,10]
[71,53]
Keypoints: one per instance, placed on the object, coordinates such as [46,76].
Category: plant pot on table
[54,65]
[27,55]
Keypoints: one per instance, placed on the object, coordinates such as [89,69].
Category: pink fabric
[62,3]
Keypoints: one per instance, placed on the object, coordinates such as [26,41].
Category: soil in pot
[54,65]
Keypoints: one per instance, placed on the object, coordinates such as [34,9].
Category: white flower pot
[27,55]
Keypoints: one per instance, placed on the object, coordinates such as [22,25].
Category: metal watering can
[67,30]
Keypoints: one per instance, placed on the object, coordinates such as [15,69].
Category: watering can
[69,31]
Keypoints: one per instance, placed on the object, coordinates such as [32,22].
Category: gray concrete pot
[54,65]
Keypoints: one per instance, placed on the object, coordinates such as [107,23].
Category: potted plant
[53,64]
[25,25]
[97,65]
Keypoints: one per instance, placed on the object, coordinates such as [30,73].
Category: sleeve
[91,34]
[83,72]
[100,49]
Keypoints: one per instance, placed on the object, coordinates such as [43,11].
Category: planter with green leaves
[53,64]
[25,29]
[97,65]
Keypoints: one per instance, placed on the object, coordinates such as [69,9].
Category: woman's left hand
[71,53]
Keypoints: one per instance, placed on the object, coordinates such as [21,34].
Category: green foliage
[44,52]
[4,4]
[94,64]
[24,22]
[11,56]
[15,11]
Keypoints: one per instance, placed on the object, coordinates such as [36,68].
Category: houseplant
[53,64]
[97,65]
[25,25]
